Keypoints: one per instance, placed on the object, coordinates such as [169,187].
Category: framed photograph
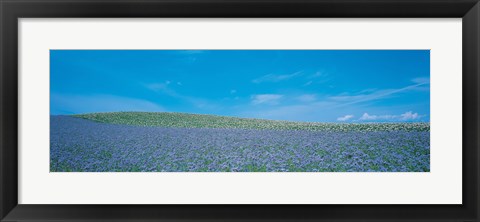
[239,110]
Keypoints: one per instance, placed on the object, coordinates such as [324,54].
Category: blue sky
[298,85]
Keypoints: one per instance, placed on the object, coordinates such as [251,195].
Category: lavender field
[144,142]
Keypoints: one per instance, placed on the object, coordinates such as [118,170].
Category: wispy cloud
[374,95]
[407,116]
[425,81]
[162,88]
[345,118]
[276,78]
[316,78]
[233,91]
[166,89]
[269,99]
[419,80]
[308,83]
[316,75]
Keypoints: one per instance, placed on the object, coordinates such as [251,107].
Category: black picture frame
[12,10]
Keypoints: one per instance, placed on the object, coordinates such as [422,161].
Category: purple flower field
[81,145]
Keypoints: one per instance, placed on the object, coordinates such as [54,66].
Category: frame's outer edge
[8,111]
[3,209]
[3,205]
[477,182]
[11,10]
[470,97]
[240,8]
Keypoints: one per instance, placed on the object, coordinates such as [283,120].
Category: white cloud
[307,98]
[345,118]
[402,117]
[409,116]
[275,78]
[365,116]
[270,99]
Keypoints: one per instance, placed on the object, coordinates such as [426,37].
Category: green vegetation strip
[184,120]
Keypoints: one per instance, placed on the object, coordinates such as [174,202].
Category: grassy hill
[185,120]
